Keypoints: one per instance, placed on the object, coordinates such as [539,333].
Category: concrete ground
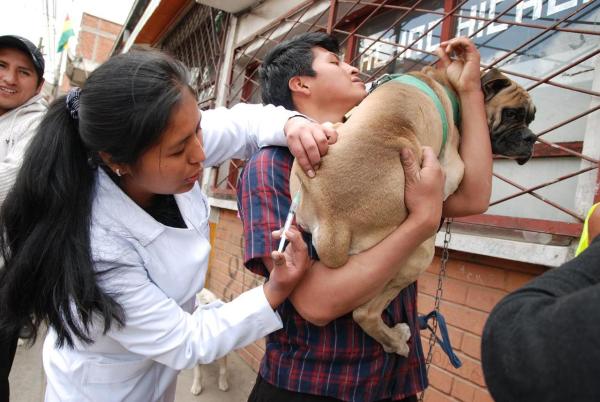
[27,380]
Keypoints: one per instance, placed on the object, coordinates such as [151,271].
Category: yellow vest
[584,242]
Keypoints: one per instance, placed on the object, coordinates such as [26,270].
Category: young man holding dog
[322,354]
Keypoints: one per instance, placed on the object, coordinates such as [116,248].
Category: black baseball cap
[26,46]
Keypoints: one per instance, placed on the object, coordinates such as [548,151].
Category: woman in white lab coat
[106,233]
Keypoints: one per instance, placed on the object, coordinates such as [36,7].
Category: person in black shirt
[541,342]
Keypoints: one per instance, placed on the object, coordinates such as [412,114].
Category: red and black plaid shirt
[338,360]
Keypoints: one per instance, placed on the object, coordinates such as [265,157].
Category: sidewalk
[27,379]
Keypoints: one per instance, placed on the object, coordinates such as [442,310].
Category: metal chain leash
[438,298]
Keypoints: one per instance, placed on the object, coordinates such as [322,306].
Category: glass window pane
[388,47]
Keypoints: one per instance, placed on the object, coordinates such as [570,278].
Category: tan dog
[357,197]
[203,298]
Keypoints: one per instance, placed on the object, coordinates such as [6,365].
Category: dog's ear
[492,82]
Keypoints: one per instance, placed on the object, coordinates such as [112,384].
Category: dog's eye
[513,114]
[509,113]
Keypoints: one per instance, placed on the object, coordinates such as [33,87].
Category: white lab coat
[155,271]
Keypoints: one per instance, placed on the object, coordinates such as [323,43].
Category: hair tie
[73,102]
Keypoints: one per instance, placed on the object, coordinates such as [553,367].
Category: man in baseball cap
[21,72]
[21,109]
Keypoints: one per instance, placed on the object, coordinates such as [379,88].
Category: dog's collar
[416,82]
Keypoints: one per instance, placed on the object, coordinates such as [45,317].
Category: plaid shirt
[337,360]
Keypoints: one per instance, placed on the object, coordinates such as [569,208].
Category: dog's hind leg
[223,383]
[196,388]
[368,316]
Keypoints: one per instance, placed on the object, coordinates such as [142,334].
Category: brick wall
[96,37]
[227,276]
[474,284]
[94,43]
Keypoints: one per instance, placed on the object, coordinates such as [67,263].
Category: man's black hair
[289,59]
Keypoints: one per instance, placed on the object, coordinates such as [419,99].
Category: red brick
[515,280]
[452,290]
[439,379]
[471,345]
[482,298]
[255,351]
[233,250]
[433,395]
[109,27]
[464,317]
[470,369]
[482,395]
[427,283]
[234,227]
[478,274]
[85,45]
[424,303]
[103,48]
[89,20]
[463,391]
[221,235]
[230,288]
[249,359]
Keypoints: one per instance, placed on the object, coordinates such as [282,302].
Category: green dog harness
[423,87]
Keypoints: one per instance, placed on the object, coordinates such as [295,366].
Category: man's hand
[308,142]
[424,186]
[463,72]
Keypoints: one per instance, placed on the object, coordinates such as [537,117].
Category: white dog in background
[206,297]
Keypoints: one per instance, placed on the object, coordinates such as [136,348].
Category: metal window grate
[198,42]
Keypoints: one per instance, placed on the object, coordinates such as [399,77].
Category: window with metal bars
[549,46]
[198,41]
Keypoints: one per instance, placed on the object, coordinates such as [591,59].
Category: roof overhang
[230,6]
[161,21]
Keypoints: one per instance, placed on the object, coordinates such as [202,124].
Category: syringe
[289,219]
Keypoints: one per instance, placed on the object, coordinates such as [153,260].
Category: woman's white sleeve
[157,327]
[240,131]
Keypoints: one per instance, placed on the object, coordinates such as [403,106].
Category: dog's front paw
[196,388]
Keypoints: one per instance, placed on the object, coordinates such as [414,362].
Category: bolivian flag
[67,32]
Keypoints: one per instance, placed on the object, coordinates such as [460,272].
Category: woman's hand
[288,267]
[308,141]
[463,71]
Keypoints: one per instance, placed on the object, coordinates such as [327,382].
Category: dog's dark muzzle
[514,142]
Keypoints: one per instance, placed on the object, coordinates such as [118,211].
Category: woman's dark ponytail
[48,274]
[46,242]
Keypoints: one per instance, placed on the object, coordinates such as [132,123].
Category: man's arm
[540,343]
[327,293]
[473,194]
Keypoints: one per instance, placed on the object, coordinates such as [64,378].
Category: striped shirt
[337,360]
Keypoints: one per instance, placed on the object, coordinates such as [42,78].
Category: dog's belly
[357,197]
[348,207]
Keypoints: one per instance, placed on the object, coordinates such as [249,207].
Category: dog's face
[509,112]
